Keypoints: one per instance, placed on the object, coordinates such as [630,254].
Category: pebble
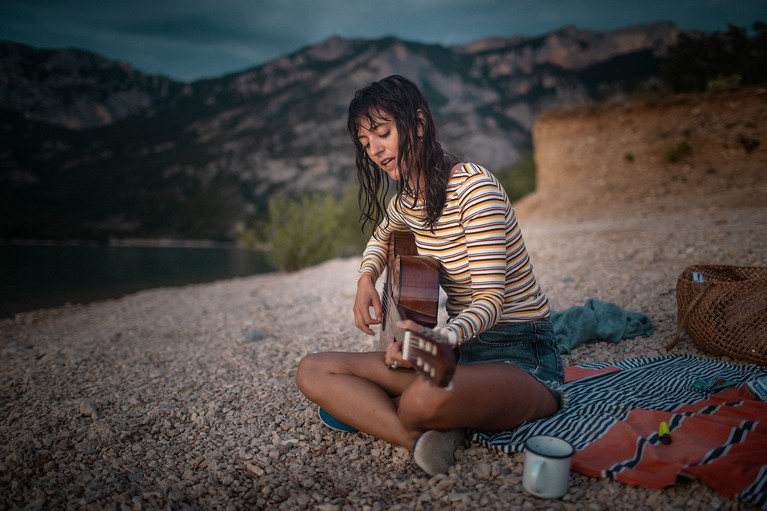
[177,398]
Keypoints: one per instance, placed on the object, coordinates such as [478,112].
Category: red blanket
[721,440]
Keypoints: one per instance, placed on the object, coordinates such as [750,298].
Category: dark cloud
[188,39]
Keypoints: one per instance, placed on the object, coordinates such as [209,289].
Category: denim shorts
[529,345]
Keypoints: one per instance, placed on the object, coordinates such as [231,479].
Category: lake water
[40,276]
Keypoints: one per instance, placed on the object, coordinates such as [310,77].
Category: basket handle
[683,323]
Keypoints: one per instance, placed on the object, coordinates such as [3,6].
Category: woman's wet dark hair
[421,158]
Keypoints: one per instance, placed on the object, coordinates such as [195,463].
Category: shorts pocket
[509,335]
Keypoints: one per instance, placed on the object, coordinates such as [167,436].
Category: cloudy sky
[191,39]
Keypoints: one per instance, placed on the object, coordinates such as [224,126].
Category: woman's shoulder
[471,173]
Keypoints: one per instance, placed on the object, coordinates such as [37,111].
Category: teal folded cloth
[597,321]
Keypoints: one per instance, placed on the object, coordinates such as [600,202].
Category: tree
[709,61]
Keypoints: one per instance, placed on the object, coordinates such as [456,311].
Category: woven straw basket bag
[724,310]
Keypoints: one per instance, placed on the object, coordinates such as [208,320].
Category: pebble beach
[184,398]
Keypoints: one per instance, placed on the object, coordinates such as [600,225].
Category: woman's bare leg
[357,389]
[487,396]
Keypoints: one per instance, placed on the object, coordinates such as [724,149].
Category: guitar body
[411,289]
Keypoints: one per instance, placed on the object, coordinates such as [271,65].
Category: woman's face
[381,142]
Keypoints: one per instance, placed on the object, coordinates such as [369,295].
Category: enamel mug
[547,466]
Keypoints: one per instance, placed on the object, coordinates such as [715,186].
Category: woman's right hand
[367,297]
[393,357]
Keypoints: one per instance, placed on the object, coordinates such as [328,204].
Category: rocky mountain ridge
[76,89]
[93,148]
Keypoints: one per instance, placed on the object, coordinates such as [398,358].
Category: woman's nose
[374,146]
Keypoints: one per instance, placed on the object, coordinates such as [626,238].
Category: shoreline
[43,275]
[184,397]
[126,242]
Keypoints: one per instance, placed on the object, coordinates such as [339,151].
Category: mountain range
[92,148]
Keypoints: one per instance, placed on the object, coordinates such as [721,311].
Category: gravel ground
[184,398]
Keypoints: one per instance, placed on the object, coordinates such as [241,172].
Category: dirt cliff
[689,151]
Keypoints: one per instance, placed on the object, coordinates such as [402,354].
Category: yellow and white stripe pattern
[485,269]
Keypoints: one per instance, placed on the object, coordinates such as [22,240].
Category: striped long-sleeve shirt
[485,270]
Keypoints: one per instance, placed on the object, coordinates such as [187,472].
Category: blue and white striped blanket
[612,414]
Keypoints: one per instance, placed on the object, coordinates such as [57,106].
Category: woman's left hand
[409,324]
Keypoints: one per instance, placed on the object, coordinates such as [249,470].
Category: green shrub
[674,153]
[302,232]
[748,143]
[722,83]
[519,180]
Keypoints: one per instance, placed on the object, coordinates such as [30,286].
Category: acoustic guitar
[411,291]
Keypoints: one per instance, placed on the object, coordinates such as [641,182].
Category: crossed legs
[398,406]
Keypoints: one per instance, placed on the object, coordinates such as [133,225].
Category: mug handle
[535,473]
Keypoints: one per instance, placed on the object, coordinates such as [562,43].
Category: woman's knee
[313,369]
[422,406]
[309,370]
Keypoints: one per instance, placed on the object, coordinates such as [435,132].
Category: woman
[509,370]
